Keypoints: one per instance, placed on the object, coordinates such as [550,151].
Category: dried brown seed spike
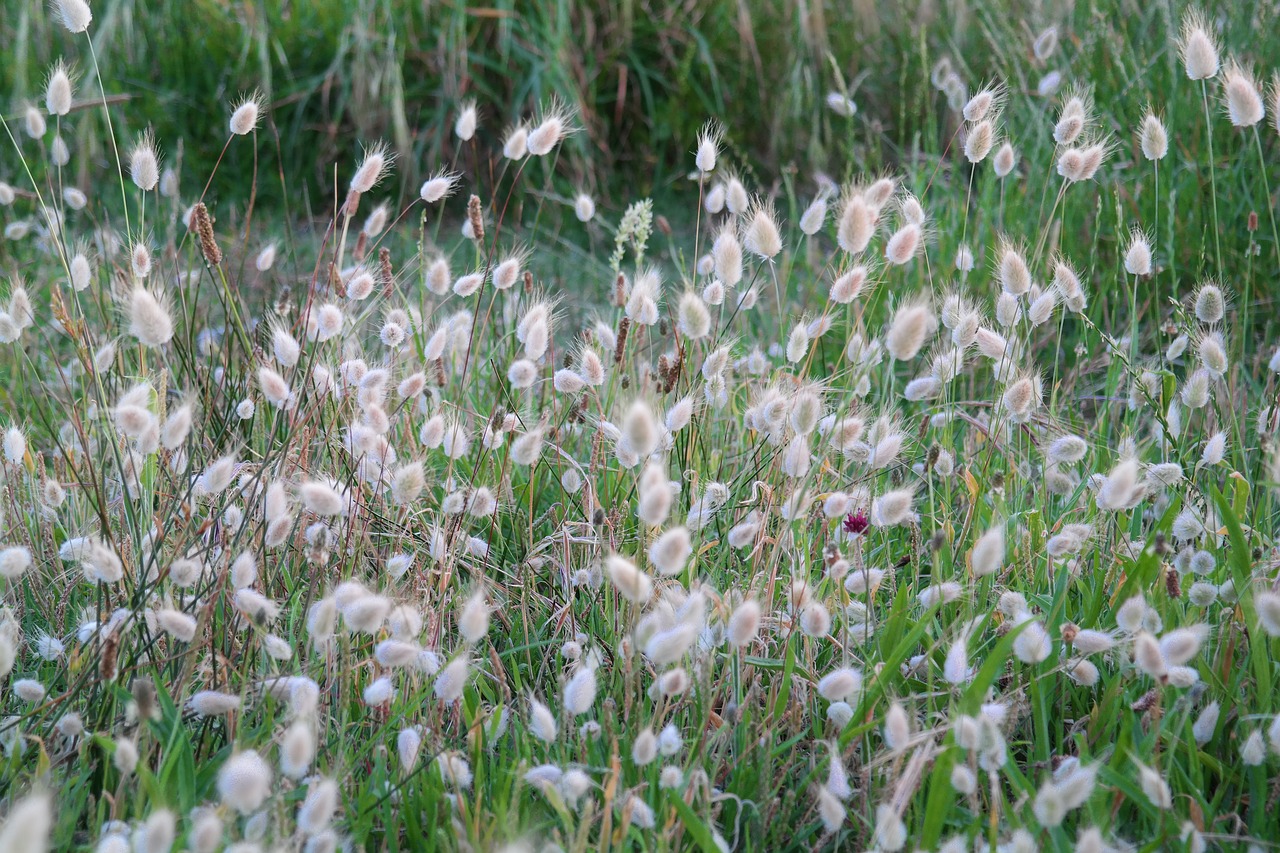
[204,230]
[476,216]
[386,271]
[624,325]
[1146,701]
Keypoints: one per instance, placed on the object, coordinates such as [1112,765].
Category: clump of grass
[430,529]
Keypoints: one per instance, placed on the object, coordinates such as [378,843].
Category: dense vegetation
[715,426]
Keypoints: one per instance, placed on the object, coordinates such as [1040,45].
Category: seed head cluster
[409,530]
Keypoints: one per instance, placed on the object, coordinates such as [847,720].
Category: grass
[974,723]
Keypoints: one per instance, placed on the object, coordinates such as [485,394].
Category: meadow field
[631,425]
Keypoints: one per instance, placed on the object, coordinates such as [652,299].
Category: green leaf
[788,667]
[695,825]
[941,797]
[1241,563]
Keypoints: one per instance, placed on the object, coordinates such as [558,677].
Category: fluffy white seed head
[670,551]
[1137,256]
[760,235]
[374,166]
[1210,304]
[1005,161]
[632,584]
[708,150]
[1198,47]
[553,127]
[473,619]
[744,624]
[149,319]
[1153,137]
[911,327]
[840,684]
[244,782]
[246,115]
[144,163]
[516,143]
[1241,95]
[57,91]
[74,14]
[452,679]
[987,557]
[439,186]
[904,244]
[465,125]
[857,223]
[979,141]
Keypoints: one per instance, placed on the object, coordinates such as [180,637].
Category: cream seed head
[57,92]
[904,244]
[246,114]
[1153,137]
[1210,303]
[439,186]
[149,319]
[244,782]
[744,624]
[265,258]
[857,223]
[631,583]
[1081,163]
[1137,256]
[840,684]
[1014,274]
[694,319]
[909,330]
[760,234]
[464,126]
[473,618]
[979,141]
[841,104]
[1005,161]
[988,553]
[986,103]
[1241,95]
[708,150]
[81,270]
[880,191]
[554,125]
[814,216]
[516,143]
[144,163]
[1075,117]
[1213,354]
[1198,46]
[726,255]
[374,166]
[74,14]
[849,285]
[60,155]
[34,122]
[716,198]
